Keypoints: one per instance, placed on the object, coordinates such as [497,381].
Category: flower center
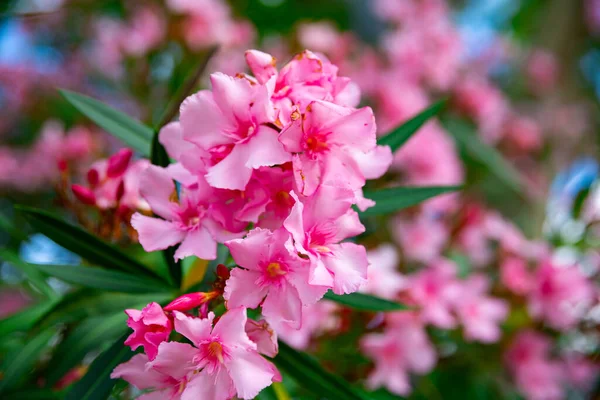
[274,270]
[215,351]
[316,143]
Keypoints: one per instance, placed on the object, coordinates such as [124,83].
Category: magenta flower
[229,122]
[273,275]
[189,221]
[317,227]
[151,327]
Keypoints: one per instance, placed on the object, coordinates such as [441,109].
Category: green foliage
[394,199]
[133,133]
[25,319]
[36,279]
[399,136]
[365,302]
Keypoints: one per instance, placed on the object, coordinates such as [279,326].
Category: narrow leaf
[24,320]
[7,226]
[472,147]
[132,132]
[91,334]
[21,361]
[365,302]
[396,138]
[36,279]
[96,384]
[103,279]
[309,373]
[390,200]
[83,243]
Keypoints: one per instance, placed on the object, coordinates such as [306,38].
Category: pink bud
[120,190]
[83,194]
[62,165]
[189,301]
[117,164]
[93,177]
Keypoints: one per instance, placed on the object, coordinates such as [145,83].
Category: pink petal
[261,333]
[233,96]
[230,329]
[231,172]
[250,373]
[319,274]
[374,163]
[203,122]
[265,150]
[347,226]
[198,242]
[309,294]
[157,187]
[291,137]
[294,222]
[171,137]
[154,233]
[283,304]
[195,329]
[210,387]
[348,263]
[261,64]
[251,250]
[356,130]
[174,359]
[153,314]
[134,371]
[241,289]
[307,173]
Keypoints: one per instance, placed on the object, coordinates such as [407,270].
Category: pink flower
[560,295]
[188,221]
[402,348]
[273,275]
[515,276]
[223,361]
[422,238]
[145,31]
[523,133]
[317,225]
[229,123]
[383,278]
[325,141]
[542,70]
[261,333]
[480,314]
[151,327]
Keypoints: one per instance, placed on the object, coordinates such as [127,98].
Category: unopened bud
[117,164]
[84,195]
[189,301]
[93,177]
[62,165]
[120,191]
[223,272]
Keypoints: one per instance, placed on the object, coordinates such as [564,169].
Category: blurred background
[520,130]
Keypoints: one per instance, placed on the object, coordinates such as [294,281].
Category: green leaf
[20,362]
[311,375]
[91,334]
[472,147]
[83,243]
[365,302]
[24,320]
[158,155]
[396,138]
[132,132]
[34,394]
[7,226]
[103,279]
[390,200]
[36,279]
[96,384]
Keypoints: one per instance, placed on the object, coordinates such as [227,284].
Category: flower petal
[155,233]
[198,242]
[348,263]
[195,329]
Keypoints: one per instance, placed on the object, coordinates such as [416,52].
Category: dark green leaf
[23,320]
[96,384]
[158,155]
[472,147]
[91,334]
[83,243]
[34,394]
[17,364]
[36,279]
[579,201]
[7,226]
[365,302]
[132,132]
[390,200]
[103,279]
[309,373]
[396,138]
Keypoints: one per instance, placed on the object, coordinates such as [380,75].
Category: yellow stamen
[274,270]
[216,350]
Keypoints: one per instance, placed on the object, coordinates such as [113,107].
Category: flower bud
[93,177]
[189,301]
[84,195]
[117,164]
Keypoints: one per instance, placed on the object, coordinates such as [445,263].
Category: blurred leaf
[103,279]
[390,200]
[309,373]
[23,320]
[396,138]
[91,334]
[365,302]
[34,394]
[22,360]
[35,278]
[471,146]
[195,272]
[158,155]
[83,243]
[579,202]
[96,384]
[7,226]
[135,134]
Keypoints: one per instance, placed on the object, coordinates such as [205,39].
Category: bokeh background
[521,79]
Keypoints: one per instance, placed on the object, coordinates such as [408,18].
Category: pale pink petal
[265,150]
[157,187]
[174,359]
[319,274]
[202,121]
[231,172]
[195,329]
[374,163]
[134,371]
[307,173]
[347,226]
[309,294]
[230,329]
[233,96]
[156,234]
[248,252]
[283,304]
[291,137]
[250,373]
[261,333]
[241,289]
[356,130]
[294,222]
[171,137]
[348,264]
[198,242]
[261,64]
[210,387]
